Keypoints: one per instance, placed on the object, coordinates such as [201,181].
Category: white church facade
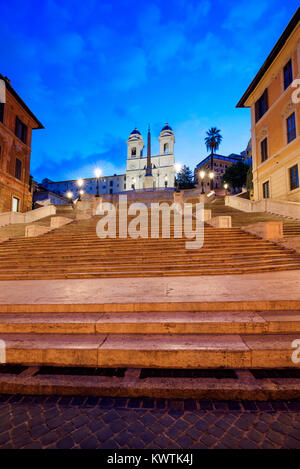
[162,167]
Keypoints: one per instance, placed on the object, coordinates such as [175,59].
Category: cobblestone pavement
[90,422]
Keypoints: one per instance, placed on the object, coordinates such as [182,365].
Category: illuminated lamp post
[202,176]
[80,183]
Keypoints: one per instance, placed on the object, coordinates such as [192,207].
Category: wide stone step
[222,270]
[151,351]
[188,322]
[150,265]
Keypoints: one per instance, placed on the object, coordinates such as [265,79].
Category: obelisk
[148,183]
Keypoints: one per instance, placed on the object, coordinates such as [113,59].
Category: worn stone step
[151,351]
[225,322]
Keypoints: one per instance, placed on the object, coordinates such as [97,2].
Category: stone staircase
[75,251]
[132,335]
[290,227]
[154,335]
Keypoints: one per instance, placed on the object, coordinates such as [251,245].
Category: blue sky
[93,70]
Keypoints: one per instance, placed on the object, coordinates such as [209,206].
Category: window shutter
[257,111]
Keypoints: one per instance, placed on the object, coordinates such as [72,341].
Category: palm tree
[212,142]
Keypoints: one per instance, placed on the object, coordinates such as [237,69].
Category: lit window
[264,150]
[288,74]
[266,190]
[294,177]
[291,128]
[21,130]
[261,105]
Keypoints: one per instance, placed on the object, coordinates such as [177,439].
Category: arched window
[133,151]
[166,148]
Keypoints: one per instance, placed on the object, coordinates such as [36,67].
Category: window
[15,204]
[264,150]
[111,183]
[133,151]
[294,177]
[18,169]
[261,105]
[2,112]
[166,148]
[266,190]
[291,128]
[21,130]
[288,74]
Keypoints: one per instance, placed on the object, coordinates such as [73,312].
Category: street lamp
[211,177]
[202,176]
[80,183]
[178,168]
[98,173]
[69,195]
[226,187]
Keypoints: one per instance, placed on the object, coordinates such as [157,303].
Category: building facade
[275,119]
[162,170]
[220,164]
[16,125]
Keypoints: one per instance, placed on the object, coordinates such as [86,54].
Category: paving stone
[4,438]
[80,434]
[254,436]
[95,425]
[85,423]
[90,443]
[104,434]
[65,443]
[184,441]
[274,437]
[202,425]
[38,431]
[122,437]
[291,443]
[49,438]
[147,436]
[247,444]
[147,419]
[110,416]
[208,440]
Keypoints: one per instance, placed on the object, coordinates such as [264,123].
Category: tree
[185,178]
[213,142]
[236,175]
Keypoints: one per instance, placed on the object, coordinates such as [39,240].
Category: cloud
[131,71]
[244,14]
